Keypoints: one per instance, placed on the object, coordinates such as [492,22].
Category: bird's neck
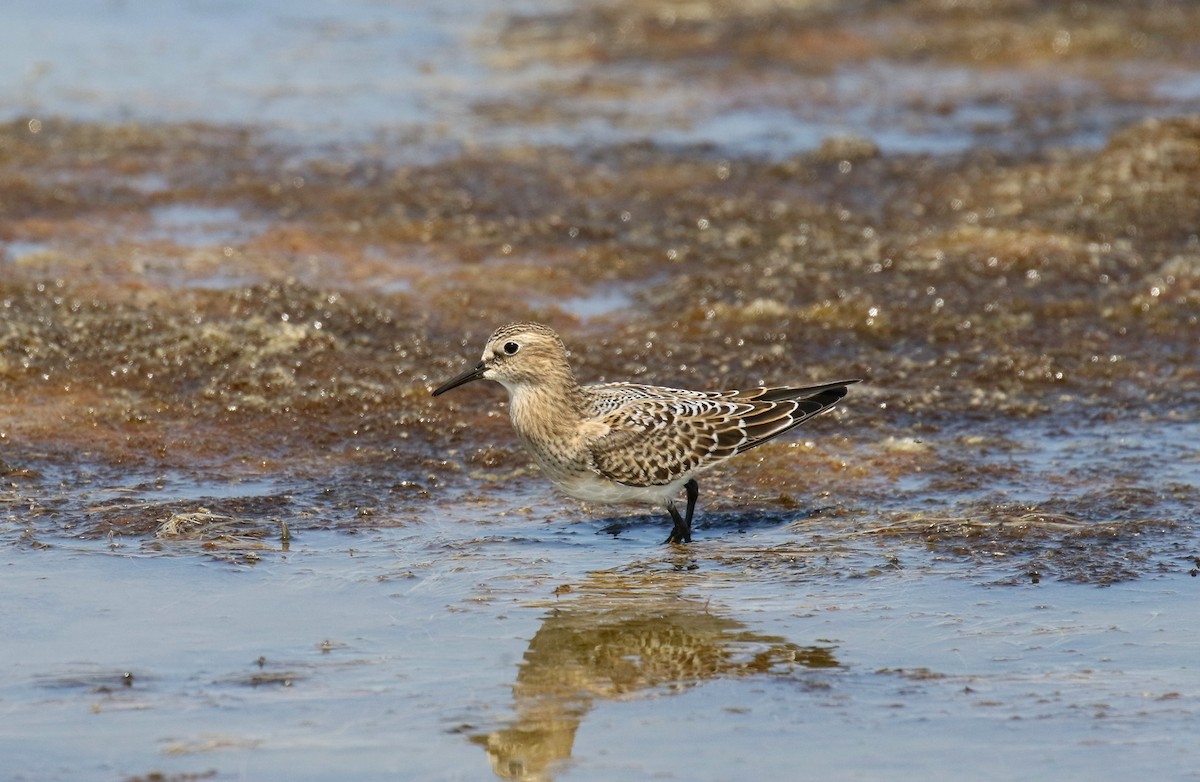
[551,408]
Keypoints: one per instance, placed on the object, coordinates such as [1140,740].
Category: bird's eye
[511,347]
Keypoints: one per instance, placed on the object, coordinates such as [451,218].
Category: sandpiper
[625,442]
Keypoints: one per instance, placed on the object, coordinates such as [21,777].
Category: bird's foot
[679,536]
[682,531]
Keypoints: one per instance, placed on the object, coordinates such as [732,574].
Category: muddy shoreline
[240,537]
[977,296]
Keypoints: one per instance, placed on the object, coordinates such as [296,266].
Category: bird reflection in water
[613,645]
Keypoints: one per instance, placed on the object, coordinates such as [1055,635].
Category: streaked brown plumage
[625,442]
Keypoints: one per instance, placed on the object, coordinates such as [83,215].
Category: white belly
[593,488]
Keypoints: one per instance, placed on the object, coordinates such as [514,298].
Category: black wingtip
[832,392]
[838,387]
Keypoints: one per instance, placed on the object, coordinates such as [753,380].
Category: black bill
[466,377]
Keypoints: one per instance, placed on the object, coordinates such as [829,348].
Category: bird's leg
[681,532]
[693,491]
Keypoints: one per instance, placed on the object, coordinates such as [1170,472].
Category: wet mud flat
[986,342]
[242,541]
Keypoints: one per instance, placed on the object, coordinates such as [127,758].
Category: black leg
[693,491]
[682,531]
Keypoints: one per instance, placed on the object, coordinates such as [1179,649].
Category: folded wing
[658,435]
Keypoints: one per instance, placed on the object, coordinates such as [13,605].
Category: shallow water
[297,66]
[433,650]
[238,540]
[427,79]
[511,631]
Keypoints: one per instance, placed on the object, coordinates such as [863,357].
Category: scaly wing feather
[657,435]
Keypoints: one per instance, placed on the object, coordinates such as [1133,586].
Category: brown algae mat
[996,301]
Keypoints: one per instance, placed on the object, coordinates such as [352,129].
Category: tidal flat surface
[239,247]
